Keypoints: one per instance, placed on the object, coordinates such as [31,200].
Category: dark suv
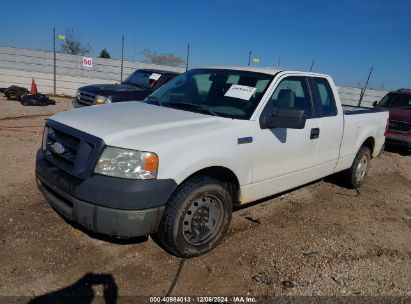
[136,87]
[398,104]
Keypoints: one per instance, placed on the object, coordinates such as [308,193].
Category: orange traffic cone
[33,90]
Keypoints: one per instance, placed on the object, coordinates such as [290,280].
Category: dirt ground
[321,239]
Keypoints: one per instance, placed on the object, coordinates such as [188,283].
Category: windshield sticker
[240,91]
[155,76]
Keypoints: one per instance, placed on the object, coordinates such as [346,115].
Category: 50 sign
[87,62]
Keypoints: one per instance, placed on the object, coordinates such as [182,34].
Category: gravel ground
[320,239]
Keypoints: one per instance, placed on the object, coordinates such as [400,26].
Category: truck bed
[358,128]
[352,110]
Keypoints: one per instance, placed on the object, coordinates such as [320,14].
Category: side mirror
[285,118]
[374,104]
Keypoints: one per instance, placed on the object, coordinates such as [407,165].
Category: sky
[345,38]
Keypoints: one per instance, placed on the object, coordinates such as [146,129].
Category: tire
[196,217]
[356,175]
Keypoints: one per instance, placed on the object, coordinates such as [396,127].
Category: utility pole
[278,62]
[365,88]
[122,58]
[188,56]
[54,60]
[249,58]
[312,64]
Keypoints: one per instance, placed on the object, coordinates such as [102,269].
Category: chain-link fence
[19,66]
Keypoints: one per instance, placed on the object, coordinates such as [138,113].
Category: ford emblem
[58,148]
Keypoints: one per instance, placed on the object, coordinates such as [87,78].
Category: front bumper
[77,104]
[398,140]
[107,205]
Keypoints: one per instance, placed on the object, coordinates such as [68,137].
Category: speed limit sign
[87,62]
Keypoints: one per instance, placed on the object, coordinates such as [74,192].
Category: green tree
[104,54]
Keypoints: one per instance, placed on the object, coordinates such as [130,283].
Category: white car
[204,143]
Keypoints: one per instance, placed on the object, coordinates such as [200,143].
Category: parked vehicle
[398,103]
[204,143]
[136,87]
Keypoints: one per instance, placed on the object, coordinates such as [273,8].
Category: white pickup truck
[209,140]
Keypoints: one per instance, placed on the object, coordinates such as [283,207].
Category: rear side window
[325,97]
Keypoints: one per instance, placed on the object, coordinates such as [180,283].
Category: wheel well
[370,143]
[225,176]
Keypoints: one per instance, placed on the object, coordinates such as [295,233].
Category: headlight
[127,163]
[78,94]
[108,100]
[101,99]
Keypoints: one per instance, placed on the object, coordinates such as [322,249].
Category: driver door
[287,157]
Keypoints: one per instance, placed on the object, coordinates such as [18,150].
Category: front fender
[180,165]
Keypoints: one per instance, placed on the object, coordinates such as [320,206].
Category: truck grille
[70,145]
[399,126]
[71,150]
[86,98]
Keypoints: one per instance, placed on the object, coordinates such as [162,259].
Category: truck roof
[159,71]
[402,91]
[265,70]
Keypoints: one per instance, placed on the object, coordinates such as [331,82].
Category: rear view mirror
[285,118]
[375,103]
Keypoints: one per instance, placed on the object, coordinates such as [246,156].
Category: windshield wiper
[155,99]
[186,105]
[136,85]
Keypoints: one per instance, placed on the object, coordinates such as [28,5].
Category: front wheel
[196,218]
[355,175]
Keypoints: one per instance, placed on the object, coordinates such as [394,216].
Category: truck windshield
[143,79]
[218,92]
[394,100]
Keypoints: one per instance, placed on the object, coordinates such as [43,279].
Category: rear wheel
[355,175]
[196,217]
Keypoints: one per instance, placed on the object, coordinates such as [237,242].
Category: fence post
[54,60]
[365,88]
[312,65]
[122,58]
[188,56]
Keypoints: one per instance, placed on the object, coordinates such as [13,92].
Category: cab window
[291,93]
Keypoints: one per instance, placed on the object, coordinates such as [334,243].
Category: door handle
[315,133]
[245,140]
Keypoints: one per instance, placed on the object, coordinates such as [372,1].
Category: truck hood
[109,89]
[139,126]
[400,114]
